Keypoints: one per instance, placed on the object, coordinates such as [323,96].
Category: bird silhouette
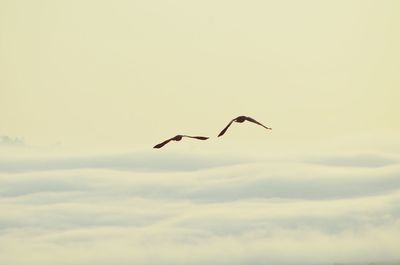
[178,138]
[241,119]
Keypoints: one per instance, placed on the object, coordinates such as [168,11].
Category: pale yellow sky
[131,73]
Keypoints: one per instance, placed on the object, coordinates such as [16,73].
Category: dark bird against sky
[241,119]
[178,138]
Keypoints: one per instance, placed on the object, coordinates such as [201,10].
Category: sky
[125,74]
[87,88]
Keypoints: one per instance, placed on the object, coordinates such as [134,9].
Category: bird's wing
[256,122]
[226,128]
[197,137]
[163,143]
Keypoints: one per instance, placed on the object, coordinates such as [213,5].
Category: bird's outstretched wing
[178,138]
[256,122]
[163,143]
[197,137]
[226,128]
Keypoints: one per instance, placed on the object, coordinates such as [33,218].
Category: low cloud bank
[163,208]
[8,141]
[140,161]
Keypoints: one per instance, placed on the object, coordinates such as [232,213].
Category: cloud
[10,142]
[139,161]
[195,209]
[130,230]
[360,160]
[243,181]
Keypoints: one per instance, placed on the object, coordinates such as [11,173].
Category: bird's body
[241,119]
[178,138]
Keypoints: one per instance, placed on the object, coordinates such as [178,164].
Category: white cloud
[198,210]
[364,160]
[9,141]
[139,161]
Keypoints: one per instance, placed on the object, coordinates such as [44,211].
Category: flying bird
[178,138]
[241,119]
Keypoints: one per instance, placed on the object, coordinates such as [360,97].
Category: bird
[241,119]
[178,138]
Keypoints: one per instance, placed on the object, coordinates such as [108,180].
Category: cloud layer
[146,208]
[9,141]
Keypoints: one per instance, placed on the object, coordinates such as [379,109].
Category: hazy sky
[101,73]
[88,87]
